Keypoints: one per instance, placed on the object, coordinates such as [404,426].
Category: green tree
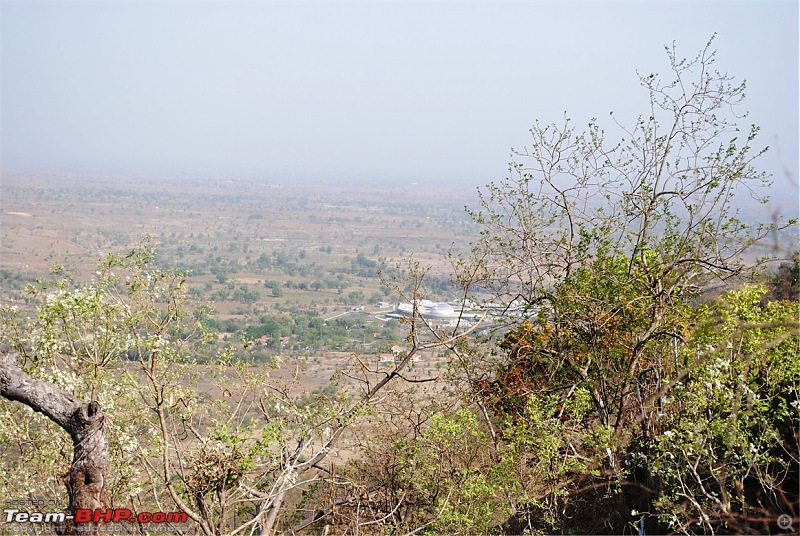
[355,297]
[726,456]
[605,250]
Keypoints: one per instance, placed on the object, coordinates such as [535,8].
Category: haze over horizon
[436,93]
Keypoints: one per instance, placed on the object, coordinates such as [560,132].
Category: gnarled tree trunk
[86,480]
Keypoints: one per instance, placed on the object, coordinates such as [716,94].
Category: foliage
[129,341]
[83,340]
[727,456]
[450,471]
[215,438]
[602,252]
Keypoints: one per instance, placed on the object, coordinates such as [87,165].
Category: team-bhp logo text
[84,515]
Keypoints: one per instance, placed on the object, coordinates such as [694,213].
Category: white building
[436,310]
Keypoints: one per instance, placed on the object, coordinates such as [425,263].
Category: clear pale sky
[370,91]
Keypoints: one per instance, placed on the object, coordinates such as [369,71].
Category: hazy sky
[381,91]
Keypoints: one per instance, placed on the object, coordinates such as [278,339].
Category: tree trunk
[86,480]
